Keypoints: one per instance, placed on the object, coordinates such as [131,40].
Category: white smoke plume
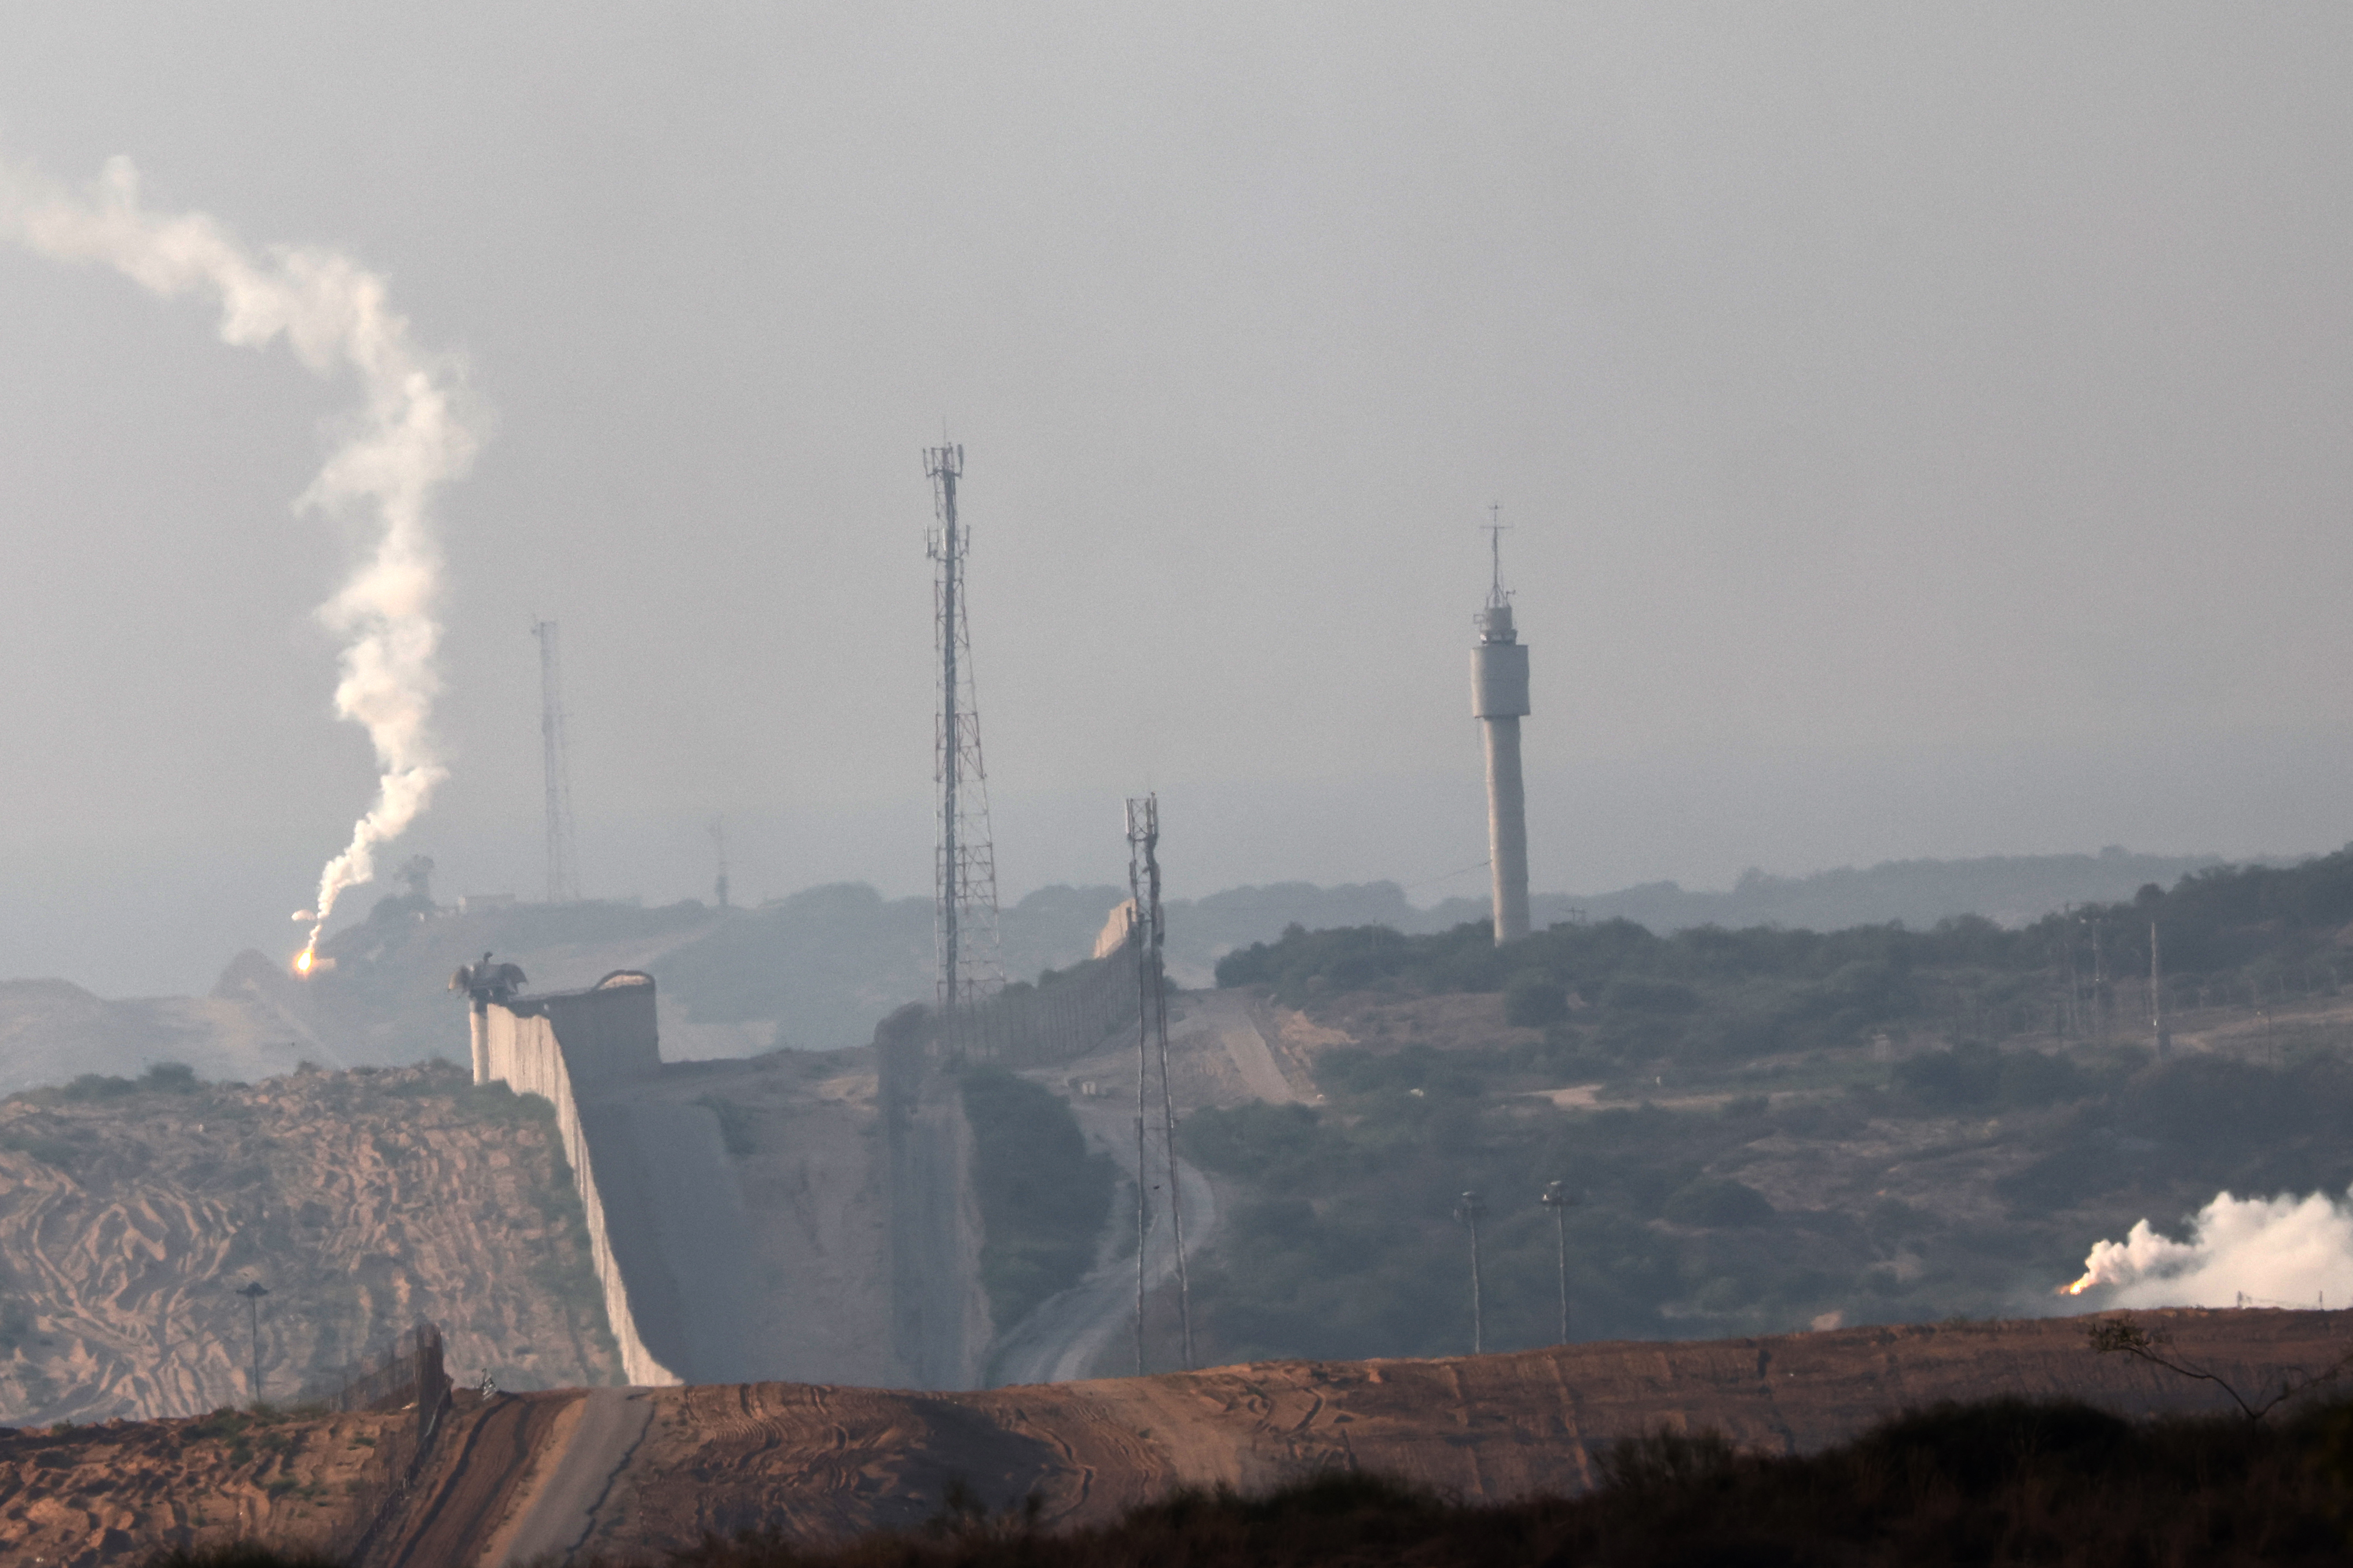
[410,437]
[2273,1252]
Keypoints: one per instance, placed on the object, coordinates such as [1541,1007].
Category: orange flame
[2078,1288]
[304,959]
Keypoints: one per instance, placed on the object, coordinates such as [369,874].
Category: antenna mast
[1152,1024]
[563,866]
[1496,528]
[969,966]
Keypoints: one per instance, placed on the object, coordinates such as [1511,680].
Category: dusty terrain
[1942,1167]
[361,1201]
[117,1492]
[657,1469]
[821,1461]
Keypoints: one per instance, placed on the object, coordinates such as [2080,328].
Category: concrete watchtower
[1499,700]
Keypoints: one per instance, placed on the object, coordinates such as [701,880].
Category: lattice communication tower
[970,965]
[563,864]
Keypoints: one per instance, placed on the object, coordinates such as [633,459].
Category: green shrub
[1353,1070]
[1532,1001]
[1967,1078]
[1043,1197]
[1717,1205]
[1254,1140]
[1633,995]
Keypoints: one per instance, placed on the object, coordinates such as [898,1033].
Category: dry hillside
[52,1030]
[637,1474]
[131,1211]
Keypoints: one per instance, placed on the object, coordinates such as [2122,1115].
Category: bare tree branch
[2121,1336]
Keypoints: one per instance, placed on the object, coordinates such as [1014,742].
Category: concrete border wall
[940,1323]
[521,1051]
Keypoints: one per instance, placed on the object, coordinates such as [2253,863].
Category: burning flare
[2275,1251]
[409,437]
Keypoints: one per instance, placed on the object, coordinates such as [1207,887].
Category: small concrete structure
[1118,929]
[606,1032]
[484,983]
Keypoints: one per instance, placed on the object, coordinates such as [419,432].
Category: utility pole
[1151,994]
[1137,936]
[253,1293]
[562,868]
[1468,1210]
[2074,1011]
[2099,986]
[969,966]
[1560,1200]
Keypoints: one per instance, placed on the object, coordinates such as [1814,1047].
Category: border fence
[412,1374]
[1037,1026]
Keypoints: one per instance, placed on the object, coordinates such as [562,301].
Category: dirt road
[1216,1057]
[561,1507]
[491,1450]
[1067,1333]
[1225,1017]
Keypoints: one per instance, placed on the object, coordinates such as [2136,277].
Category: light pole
[1468,1210]
[1560,1200]
[253,1293]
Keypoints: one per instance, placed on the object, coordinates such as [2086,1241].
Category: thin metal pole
[253,1293]
[1478,1311]
[563,853]
[1143,1041]
[2074,987]
[1556,1197]
[950,570]
[1167,1097]
[1468,1211]
[2099,986]
[1560,1233]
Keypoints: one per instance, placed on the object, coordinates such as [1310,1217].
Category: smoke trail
[2280,1251]
[410,437]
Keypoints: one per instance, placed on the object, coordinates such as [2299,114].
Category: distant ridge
[816,970]
[2008,889]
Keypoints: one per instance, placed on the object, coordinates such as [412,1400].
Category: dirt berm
[817,1461]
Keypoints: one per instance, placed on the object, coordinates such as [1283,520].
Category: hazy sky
[1922,429]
